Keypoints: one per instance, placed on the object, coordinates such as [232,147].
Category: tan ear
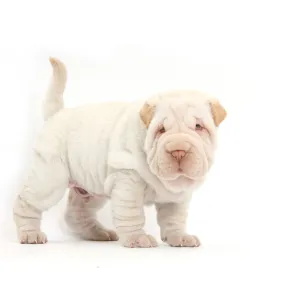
[147,113]
[218,112]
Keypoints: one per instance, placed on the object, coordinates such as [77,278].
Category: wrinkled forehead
[183,106]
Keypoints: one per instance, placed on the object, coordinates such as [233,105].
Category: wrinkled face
[181,137]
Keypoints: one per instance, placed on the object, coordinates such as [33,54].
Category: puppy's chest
[149,196]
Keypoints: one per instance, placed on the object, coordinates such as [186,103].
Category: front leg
[171,218]
[128,210]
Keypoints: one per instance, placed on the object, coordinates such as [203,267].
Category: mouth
[182,180]
[176,175]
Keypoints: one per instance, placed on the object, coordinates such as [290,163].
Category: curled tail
[54,98]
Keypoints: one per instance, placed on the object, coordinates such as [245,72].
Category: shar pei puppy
[155,151]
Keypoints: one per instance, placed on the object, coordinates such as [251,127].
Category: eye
[199,127]
[162,130]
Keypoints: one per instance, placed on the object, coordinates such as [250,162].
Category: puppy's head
[181,136]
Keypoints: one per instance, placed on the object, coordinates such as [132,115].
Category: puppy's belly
[88,186]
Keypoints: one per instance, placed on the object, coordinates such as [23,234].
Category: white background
[247,212]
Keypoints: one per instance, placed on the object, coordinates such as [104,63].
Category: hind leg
[45,186]
[82,219]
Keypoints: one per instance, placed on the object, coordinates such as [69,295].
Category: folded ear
[218,112]
[147,113]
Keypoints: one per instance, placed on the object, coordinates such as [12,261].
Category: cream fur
[109,151]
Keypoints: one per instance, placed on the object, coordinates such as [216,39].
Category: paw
[185,240]
[32,237]
[112,235]
[98,233]
[140,241]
